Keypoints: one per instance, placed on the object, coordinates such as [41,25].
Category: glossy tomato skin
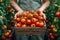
[41,15]
[9,7]
[33,25]
[25,14]
[28,21]
[10,31]
[34,20]
[58,14]
[41,24]
[4,27]
[51,36]
[18,25]
[18,15]
[17,19]
[37,24]
[10,11]
[54,30]
[24,25]
[38,12]
[35,15]
[52,26]
[30,16]
[23,20]
[10,36]
[41,18]
[6,34]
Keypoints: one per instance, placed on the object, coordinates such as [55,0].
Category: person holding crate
[27,5]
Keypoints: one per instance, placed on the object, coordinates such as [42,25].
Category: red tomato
[41,24]
[24,13]
[51,36]
[27,12]
[33,25]
[37,24]
[52,26]
[18,25]
[30,16]
[41,18]
[10,36]
[58,14]
[25,17]
[9,7]
[10,11]
[4,27]
[34,20]
[18,15]
[17,19]
[41,15]
[35,15]
[38,12]
[23,20]
[28,21]
[24,26]
[7,34]
[10,31]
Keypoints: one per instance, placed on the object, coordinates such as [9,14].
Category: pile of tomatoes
[53,32]
[53,36]
[7,35]
[30,19]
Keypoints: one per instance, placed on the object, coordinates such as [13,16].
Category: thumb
[44,15]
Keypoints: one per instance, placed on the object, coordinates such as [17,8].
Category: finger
[16,14]
[43,15]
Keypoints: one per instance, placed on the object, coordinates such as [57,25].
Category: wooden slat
[30,31]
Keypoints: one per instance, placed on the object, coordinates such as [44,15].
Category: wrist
[20,11]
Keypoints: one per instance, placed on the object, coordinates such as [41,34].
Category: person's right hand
[19,12]
[16,7]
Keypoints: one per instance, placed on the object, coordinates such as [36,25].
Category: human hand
[44,17]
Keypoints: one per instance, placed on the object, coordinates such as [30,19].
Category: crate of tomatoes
[30,23]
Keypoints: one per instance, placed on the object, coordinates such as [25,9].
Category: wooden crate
[30,31]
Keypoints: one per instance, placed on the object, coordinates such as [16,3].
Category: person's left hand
[44,17]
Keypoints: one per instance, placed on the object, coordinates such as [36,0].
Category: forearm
[44,6]
[45,1]
[16,7]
